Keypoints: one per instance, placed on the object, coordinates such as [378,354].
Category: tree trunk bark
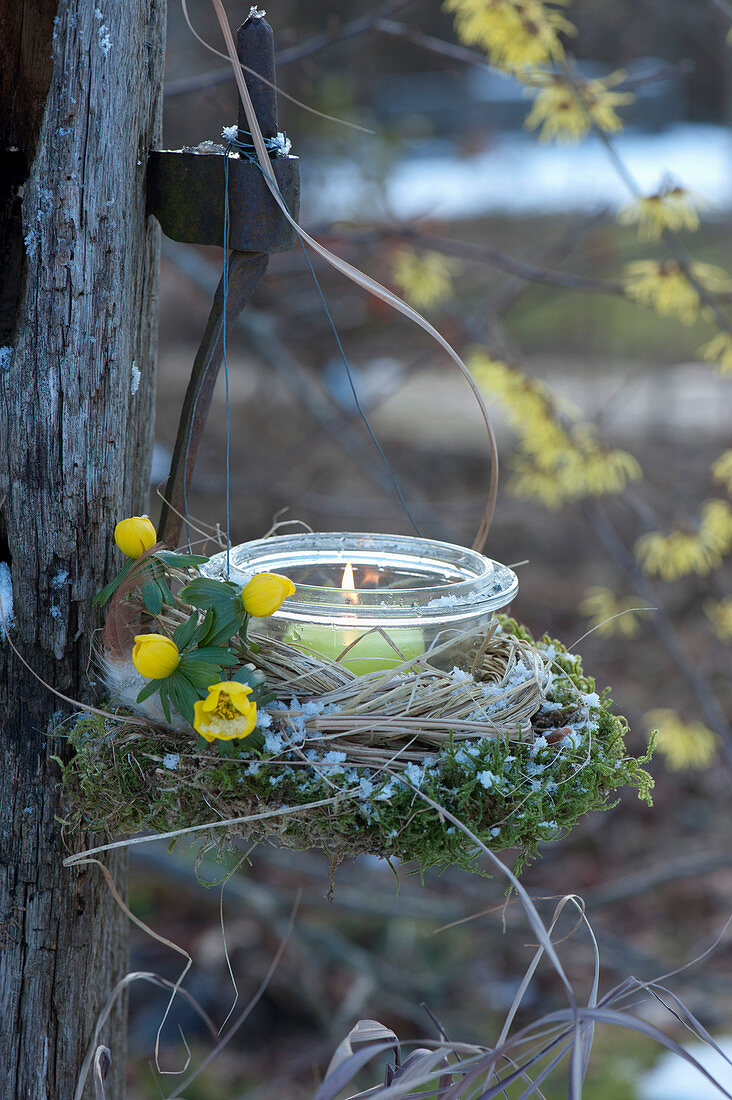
[79,109]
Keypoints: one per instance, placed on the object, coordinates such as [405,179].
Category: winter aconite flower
[135,535]
[155,656]
[226,713]
[265,593]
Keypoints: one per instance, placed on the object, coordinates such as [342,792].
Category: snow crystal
[386,791]
[332,763]
[171,761]
[281,143]
[61,578]
[105,38]
[313,707]
[365,787]
[414,774]
[274,742]
[6,354]
[230,133]
[591,700]
[488,780]
[31,243]
[136,376]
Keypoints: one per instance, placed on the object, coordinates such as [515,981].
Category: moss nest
[511,793]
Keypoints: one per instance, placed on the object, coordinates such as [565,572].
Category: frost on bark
[80,90]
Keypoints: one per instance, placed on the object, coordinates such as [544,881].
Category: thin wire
[245,149]
[352,384]
[225,289]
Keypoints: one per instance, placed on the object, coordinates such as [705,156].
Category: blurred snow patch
[518,175]
[675,1079]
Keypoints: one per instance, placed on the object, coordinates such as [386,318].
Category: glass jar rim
[468,583]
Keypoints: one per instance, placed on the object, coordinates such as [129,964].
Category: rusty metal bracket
[186,193]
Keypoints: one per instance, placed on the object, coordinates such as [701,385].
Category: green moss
[511,795]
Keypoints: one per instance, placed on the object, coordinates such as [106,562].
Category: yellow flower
[265,593]
[684,744]
[425,279]
[719,351]
[671,207]
[675,555]
[135,535]
[685,551]
[719,613]
[715,527]
[514,33]
[567,112]
[665,286]
[226,713]
[155,656]
[722,470]
[608,615]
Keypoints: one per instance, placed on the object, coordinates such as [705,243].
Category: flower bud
[265,593]
[155,656]
[135,535]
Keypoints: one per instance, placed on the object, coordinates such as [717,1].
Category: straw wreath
[518,748]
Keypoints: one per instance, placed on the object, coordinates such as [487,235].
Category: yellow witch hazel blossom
[671,207]
[555,464]
[265,593]
[609,615]
[715,527]
[682,552]
[719,613]
[665,286]
[565,112]
[135,535]
[425,279]
[686,745]
[226,713]
[155,656]
[719,351]
[722,470]
[516,34]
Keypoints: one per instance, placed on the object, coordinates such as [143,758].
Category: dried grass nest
[517,751]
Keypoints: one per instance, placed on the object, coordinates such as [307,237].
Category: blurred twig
[706,699]
[469,250]
[262,333]
[337,33]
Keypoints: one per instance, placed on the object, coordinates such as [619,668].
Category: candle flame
[348,586]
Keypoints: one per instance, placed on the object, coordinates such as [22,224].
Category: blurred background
[511,246]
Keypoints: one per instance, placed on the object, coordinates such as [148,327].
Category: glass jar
[373,602]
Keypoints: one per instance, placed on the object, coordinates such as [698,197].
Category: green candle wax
[372,651]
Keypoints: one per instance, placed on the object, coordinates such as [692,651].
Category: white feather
[124,684]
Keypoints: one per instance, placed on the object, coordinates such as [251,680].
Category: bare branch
[310,46]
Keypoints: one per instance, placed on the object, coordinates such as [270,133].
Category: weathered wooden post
[80,96]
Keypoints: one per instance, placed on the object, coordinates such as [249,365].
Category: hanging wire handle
[353,273]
